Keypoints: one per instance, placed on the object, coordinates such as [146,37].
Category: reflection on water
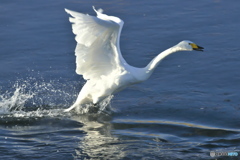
[99,136]
[127,138]
[98,141]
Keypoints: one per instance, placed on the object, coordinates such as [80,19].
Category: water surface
[189,107]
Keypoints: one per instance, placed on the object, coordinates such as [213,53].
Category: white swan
[99,59]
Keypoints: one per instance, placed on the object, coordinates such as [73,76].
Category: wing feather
[97,38]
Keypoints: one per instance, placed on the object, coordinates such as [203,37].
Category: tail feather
[70,108]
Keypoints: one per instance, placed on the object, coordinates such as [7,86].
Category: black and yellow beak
[196,47]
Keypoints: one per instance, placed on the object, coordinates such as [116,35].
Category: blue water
[189,107]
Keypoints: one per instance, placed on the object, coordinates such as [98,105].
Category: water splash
[36,98]
[14,101]
[39,98]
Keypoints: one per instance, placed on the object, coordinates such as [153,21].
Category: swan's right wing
[96,51]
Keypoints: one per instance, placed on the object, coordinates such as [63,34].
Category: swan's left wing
[97,51]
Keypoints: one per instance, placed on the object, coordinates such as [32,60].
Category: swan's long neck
[148,70]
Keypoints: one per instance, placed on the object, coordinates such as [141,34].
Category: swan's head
[189,46]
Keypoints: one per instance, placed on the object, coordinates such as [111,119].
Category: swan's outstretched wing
[97,51]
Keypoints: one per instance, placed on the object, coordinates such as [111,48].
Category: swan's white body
[99,59]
